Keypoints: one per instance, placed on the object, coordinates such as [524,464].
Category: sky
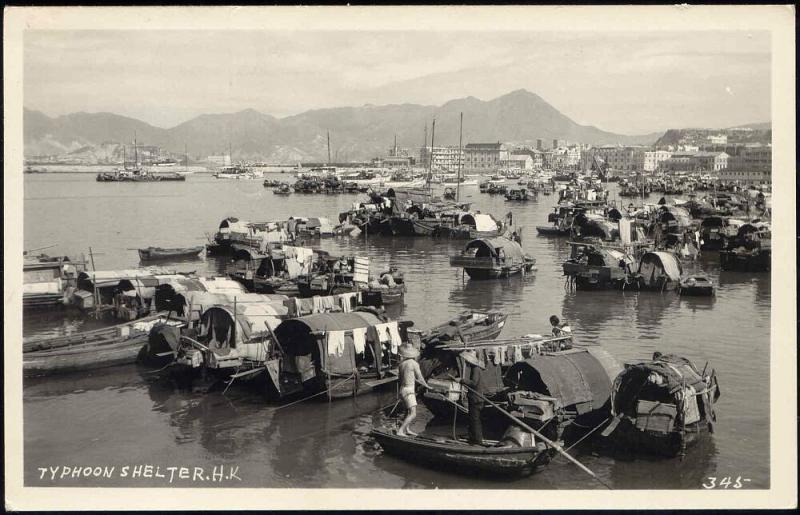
[624,82]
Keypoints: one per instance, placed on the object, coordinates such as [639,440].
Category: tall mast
[124,156]
[329,148]
[135,152]
[185,159]
[458,179]
[430,155]
[230,153]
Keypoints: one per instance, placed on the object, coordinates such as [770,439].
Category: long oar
[554,445]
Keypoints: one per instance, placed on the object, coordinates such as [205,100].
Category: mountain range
[356,133]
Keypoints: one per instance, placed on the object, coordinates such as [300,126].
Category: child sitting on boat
[409,375]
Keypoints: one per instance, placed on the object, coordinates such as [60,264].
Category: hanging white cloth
[335,341]
[360,339]
[389,333]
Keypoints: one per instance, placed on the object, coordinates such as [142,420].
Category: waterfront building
[618,158]
[221,160]
[753,165]
[483,157]
[445,159]
[520,161]
[653,159]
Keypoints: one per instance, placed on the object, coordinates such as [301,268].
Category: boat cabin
[343,354]
[490,258]
[658,271]
[663,405]
[592,267]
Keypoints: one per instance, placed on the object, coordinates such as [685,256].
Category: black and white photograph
[338,253]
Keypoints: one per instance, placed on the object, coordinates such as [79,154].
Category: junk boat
[662,406]
[717,232]
[351,274]
[158,253]
[750,250]
[520,194]
[335,354]
[282,189]
[503,458]
[595,267]
[492,258]
[47,281]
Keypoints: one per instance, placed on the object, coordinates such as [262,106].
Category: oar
[554,445]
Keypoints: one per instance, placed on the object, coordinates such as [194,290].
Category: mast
[185,159]
[124,156]
[329,148]
[430,155]
[460,157]
[230,153]
[135,152]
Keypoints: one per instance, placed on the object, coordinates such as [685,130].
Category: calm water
[126,416]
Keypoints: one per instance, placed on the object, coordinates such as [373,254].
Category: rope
[584,437]
[316,394]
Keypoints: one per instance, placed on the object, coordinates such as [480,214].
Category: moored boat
[159,253]
[100,348]
[492,258]
[662,406]
[504,458]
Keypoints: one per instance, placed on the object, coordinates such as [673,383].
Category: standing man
[473,378]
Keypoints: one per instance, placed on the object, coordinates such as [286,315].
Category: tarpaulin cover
[511,249]
[573,378]
[667,262]
[485,223]
[296,335]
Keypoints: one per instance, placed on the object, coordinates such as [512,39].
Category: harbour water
[127,416]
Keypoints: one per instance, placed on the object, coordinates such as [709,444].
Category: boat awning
[217,323]
[668,261]
[296,335]
[572,377]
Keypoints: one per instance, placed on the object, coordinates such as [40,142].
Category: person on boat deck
[559,328]
[473,378]
[410,374]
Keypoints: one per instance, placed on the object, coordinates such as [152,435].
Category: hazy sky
[623,82]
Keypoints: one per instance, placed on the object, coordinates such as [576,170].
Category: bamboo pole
[551,443]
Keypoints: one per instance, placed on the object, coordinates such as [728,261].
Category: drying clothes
[335,341]
[389,333]
[305,306]
[360,339]
[517,354]
[293,268]
[500,355]
[325,304]
[348,301]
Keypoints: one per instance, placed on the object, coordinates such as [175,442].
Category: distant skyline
[623,82]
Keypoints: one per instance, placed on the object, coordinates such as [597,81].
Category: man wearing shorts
[409,375]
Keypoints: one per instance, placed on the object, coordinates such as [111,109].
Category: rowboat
[551,230]
[106,347]
[469,326]
[156,253]
[461,456]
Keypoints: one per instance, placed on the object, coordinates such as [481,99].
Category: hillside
[356,132]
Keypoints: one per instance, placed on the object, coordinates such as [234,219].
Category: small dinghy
[551,230]
[697,285]
[156,253]
[461,456]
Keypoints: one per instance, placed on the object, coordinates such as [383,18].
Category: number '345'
[724,482]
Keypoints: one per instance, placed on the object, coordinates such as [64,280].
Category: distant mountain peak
[357,133]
